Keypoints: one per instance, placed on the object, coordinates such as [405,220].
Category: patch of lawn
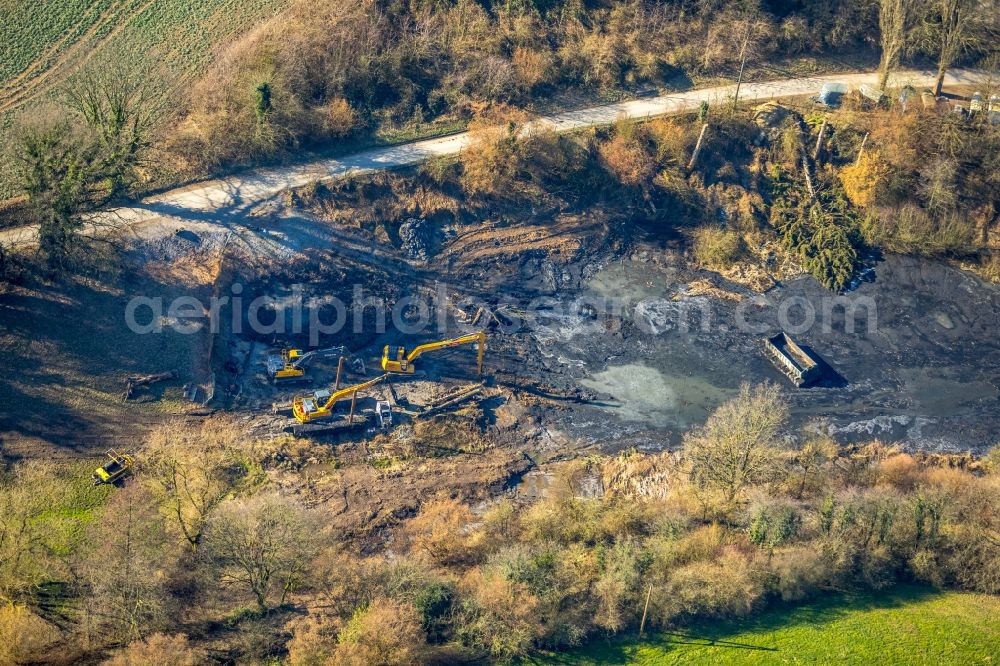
[905,625]
[75,502]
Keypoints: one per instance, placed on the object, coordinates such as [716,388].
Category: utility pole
[743,64]
[340,369]
[861,150]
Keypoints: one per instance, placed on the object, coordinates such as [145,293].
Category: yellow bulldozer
[117,467]
[320,404]
[397,360]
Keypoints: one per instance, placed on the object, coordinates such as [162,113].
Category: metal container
[791,359]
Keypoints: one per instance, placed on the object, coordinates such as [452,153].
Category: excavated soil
[606,337]
[601,334]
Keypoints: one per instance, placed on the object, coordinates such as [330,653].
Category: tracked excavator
[395,359]
[290,365]
[319,405]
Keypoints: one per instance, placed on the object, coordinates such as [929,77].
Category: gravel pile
[417,237]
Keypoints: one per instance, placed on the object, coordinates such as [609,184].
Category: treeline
[881,177]
[70,159]
[201,555]
[929,184]
[323,71]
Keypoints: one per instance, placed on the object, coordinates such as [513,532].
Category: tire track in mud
[490,242]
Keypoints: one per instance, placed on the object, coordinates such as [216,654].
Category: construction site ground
[602,337]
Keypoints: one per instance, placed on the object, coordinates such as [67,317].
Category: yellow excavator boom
[401,362]
[320,404]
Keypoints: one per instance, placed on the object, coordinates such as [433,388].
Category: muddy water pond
[911,356]
[647,395]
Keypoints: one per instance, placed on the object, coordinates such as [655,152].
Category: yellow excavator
[403,363]
[320,404]
[290,365]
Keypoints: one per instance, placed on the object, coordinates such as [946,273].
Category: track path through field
[223,200]
[55,60]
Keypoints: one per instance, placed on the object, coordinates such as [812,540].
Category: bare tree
[28,493]
[54,171]
[809,460]
[121,106]
[894,20]
[193,472]
[261,543]
[159,649]
[737,447]
[125,570]
[955,26]
[86,152]
[937,184]
[746,33]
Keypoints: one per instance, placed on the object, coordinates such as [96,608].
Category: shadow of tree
[717,635]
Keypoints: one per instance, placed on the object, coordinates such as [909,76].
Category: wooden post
[354,399]
[481,351]
[819,140]
[697,147]
[861,150]
[340,368]
[642,623]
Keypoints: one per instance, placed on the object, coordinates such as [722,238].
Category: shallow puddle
[922,370]
[642,393]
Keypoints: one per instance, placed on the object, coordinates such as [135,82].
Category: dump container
[872,93]
[791,359]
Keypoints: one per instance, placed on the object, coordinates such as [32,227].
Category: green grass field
[45,40]
[906,625]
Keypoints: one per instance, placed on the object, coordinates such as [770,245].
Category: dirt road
[217,200]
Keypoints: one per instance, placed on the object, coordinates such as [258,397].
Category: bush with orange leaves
[864,180]
[626,155]
[159,649]
[341,119]
[722,587]
[440,532]
[497,152]
[384,633]
[23,635]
